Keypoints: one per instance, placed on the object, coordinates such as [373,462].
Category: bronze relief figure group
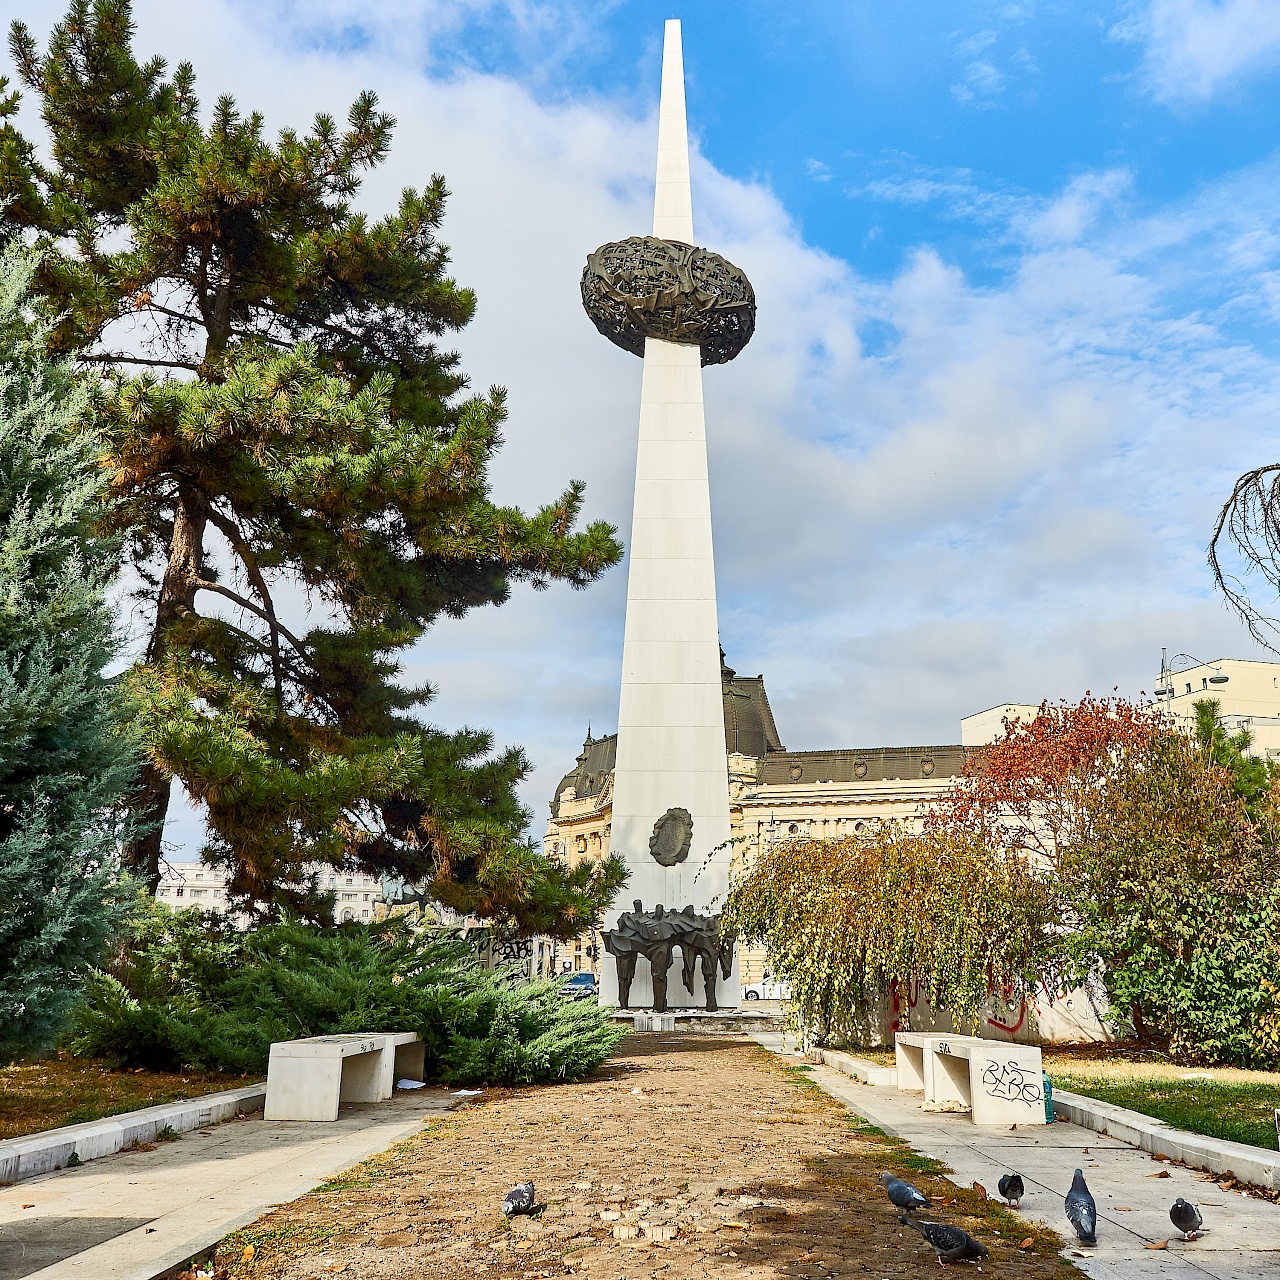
[655,935]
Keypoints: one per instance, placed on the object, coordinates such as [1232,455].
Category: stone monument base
[744,1022]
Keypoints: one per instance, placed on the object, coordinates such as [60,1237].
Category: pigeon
[903,1194]
[949,1243]
[1186,1217]
[1081,1210]
[519,1200]
[1010,1186]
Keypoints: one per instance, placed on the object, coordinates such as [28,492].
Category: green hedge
[186,991]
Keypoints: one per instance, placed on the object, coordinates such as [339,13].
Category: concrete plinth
[747,1022]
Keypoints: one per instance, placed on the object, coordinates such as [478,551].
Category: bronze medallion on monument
[672,835]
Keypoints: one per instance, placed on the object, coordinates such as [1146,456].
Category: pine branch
[123,359]
[231,531]
[203,584]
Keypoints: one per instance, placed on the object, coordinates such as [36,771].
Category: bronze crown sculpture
[643,287]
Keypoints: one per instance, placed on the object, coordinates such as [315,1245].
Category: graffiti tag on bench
[1013,1082]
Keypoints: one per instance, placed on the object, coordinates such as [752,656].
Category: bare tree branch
[1250,522]
[203,584]
[231,531]
[122,359]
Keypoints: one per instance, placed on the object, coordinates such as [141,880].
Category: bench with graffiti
[999,1083]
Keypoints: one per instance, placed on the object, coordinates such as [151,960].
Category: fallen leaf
[28,1206]
[1163,1173]
[980,1189]
[1027,1243]
[337,1267]
[522,1245]
[1081,1253]
[1159,1244]
[1086,1150]
[1121,1208]
[247,1255]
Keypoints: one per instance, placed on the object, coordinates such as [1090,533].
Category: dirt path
[747,1167]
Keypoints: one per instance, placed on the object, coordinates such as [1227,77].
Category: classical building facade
[192,884]
[774,795]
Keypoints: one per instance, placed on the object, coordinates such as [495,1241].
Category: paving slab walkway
[1243,1240]
[131,1216]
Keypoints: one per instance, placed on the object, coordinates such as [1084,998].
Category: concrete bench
[308,1079]
[914,1051]
[1001,1083]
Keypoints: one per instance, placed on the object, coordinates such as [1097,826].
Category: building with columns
[774,795]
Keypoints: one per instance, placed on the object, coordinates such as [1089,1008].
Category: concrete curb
[22,1158]
[1254,1166]
[858,1068]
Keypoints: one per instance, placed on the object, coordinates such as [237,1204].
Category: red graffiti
[1001,1024]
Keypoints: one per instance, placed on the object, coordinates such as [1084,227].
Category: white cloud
[1197,48]
[1007,498]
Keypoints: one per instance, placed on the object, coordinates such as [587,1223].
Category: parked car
[766,989]
[581,986]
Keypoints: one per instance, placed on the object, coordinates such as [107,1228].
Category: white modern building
[985,727]
[1247,693]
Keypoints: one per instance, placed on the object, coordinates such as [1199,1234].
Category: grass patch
[36,1096]
[272,1242]
[898,1156]
[1237,1111]
[881,1055]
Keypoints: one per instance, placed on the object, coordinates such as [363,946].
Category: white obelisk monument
[671,742]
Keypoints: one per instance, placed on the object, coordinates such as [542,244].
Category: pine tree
[62,765]
[297,433]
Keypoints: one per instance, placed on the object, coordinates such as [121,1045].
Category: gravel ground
[684,1156]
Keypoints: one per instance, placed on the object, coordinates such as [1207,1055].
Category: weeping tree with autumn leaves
[1094,842]
[297,472]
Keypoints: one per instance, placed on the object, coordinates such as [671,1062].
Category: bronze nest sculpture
[643,287]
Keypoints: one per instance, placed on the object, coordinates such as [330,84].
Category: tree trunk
[150,799]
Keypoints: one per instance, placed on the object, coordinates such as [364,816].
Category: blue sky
[1019,278]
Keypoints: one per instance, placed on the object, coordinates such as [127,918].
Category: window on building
[351,880]
[366,897]
[1188,686]
[177,893]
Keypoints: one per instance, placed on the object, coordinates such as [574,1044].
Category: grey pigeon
[903,1194]
[949,1243]
[1186,1217]
[1011,1188]
[519,1200]
[1082,1213]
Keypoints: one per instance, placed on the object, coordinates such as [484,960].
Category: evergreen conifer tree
[297,432]
[63,766]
